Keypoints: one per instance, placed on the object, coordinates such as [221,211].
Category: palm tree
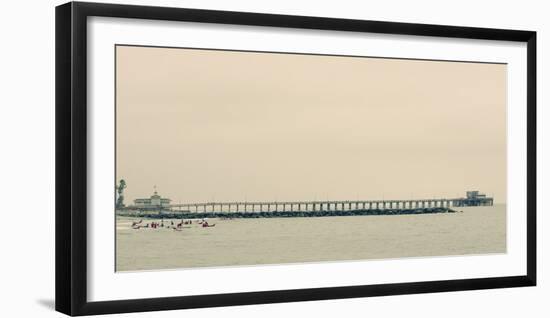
[120,190]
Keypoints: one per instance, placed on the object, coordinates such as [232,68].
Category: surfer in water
[205,224]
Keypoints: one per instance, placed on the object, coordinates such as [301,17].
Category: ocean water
[475,230]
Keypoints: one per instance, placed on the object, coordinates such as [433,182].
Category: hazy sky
[207,125]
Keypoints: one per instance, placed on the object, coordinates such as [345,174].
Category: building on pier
[155,202]
[474,198]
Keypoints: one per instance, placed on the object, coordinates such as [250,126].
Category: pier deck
[314,206]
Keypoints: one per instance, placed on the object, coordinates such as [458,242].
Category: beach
[238,242]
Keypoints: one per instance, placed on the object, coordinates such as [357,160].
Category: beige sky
[208,125]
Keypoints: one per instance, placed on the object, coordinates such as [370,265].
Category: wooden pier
[473,198]
[309,206]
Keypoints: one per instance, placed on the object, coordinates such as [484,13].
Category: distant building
[152,203]
[475,195]
[474,198]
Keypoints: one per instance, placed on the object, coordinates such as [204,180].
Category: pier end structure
[475,198]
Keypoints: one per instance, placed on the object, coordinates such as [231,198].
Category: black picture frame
[71,157]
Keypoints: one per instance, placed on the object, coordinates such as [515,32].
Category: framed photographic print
[211,158]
